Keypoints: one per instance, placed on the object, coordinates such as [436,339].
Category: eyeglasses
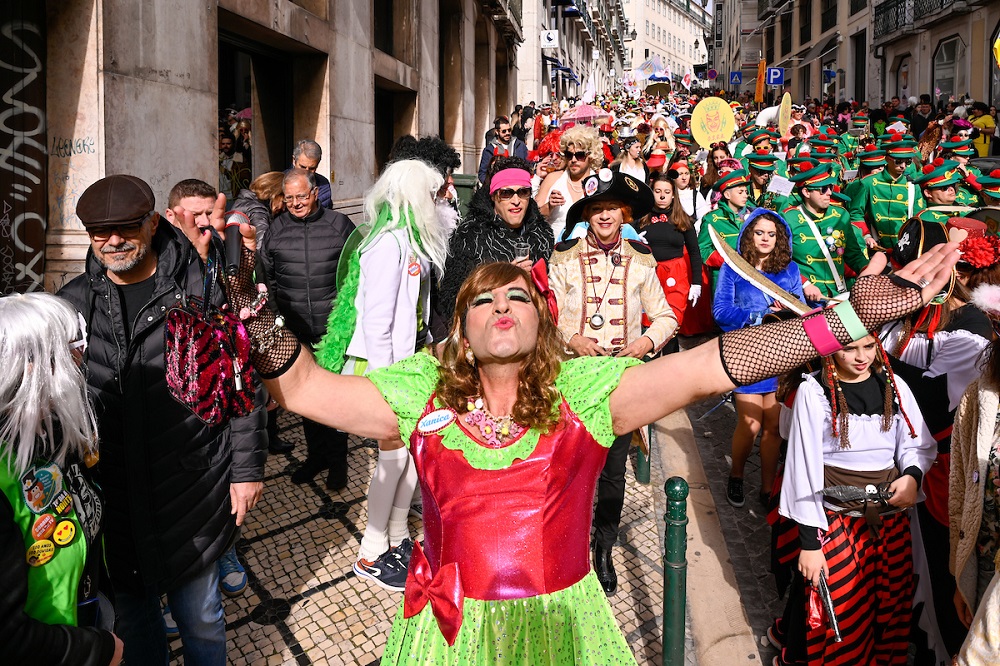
[299,198]
[507,193]
[826,189]
[122,230]
[580,155]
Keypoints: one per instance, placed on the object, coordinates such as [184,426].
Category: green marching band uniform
[940,173]
[821,245]
[882,204]
[724,220]
[763,161]
[967,190]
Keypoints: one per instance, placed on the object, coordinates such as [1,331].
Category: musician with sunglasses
[887,199]
[503,224]
[823,241]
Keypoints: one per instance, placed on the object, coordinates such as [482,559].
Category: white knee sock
[399,528]
[381,492]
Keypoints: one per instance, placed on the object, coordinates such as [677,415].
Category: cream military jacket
[586,280]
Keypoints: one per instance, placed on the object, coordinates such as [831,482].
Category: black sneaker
[385,571]
[734,492]
[403,552]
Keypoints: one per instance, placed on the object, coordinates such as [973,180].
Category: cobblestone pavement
[304,604]
[748,536]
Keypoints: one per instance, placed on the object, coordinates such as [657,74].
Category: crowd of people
[506,355]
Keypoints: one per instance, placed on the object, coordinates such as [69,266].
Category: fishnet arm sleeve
[273,350]
[752,354]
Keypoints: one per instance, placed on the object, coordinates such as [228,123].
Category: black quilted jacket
[164,473]
[300,260]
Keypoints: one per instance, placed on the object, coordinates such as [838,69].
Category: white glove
[694,293]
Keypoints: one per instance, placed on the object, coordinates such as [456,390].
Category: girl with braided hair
[853,424]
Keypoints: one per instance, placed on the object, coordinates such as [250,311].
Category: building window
[902,77]
[945,71]
[828,19]
[805,22]
[769,43]
[786,32]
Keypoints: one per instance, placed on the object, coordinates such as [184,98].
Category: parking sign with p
[775,76]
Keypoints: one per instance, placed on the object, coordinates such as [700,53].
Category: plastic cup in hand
[522,250]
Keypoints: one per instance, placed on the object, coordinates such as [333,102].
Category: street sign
[775,76]
[712,74]
[735,78]
[550,39]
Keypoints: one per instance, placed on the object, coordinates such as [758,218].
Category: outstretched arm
[651,391]
[289,370]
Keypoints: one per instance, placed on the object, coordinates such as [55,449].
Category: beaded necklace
[497,431]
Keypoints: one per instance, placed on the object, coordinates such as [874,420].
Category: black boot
[308,470]
[336,479]
[605,569]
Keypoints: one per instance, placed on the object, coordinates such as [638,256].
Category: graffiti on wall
[23,152]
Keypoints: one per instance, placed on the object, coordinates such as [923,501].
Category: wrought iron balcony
[923,8]
[893,16]
[506,15]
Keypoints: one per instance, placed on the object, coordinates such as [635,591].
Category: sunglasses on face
[903,161]
[507,193]
[122,230]
[826,189]
[579,155]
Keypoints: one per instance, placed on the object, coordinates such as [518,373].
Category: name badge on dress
[436,421]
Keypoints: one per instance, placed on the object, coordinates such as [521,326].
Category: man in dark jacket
[307,155]
[300,255]
[171,483]
[500,144]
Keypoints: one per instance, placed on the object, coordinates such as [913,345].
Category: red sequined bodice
[515,532]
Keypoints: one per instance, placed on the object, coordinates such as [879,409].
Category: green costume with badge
[822,244]
[58,515]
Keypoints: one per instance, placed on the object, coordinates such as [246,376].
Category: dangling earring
[470,357]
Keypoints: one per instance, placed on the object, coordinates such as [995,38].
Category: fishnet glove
[273,349]
[752,354]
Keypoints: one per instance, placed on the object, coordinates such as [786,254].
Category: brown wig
[678,216]
[537,403]
[977,276]
[780,256]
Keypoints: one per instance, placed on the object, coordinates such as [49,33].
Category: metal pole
[642,460]
[675,572]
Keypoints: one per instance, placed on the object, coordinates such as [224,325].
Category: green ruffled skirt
[574,626]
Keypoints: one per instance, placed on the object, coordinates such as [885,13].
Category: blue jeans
[196,605]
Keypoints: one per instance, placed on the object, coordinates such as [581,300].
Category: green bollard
[642,460]
[675,572]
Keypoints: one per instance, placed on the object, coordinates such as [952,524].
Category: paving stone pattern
[747,534]
[304,604]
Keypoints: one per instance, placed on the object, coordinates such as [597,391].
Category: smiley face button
[65,531]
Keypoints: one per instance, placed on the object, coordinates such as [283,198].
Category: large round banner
[785,114]
[712,121]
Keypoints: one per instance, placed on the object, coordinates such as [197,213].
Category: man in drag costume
[508,439]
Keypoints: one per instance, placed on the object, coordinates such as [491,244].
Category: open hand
[931,271]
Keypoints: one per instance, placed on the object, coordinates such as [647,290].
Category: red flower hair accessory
[981,251]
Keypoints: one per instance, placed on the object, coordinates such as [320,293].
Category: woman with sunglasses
[50,513]
[503,224]
[582,150]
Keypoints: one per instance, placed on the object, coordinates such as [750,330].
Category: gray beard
[125,265]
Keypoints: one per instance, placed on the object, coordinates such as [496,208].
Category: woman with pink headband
[503,224]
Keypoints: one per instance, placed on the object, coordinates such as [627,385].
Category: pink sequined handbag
[207,356]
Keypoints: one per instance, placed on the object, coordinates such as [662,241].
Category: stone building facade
[565,43]
[98,87]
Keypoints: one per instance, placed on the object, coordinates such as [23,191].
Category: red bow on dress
[540,276]
[659,218]
[443,590]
